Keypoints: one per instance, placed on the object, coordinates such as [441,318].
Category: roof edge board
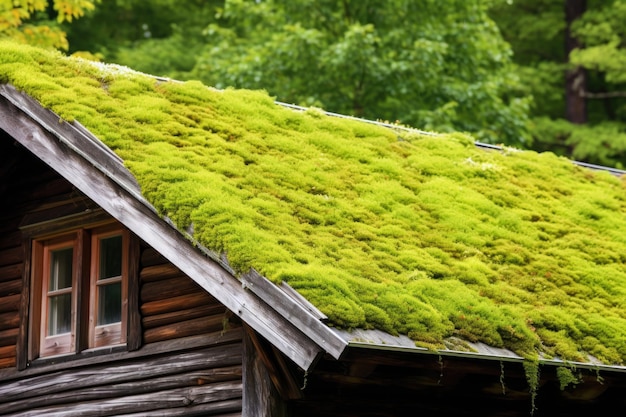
[486,356]
[96,182]
[293,311]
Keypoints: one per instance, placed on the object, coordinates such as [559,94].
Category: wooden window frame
[50,345]
[115,333]
[85,334]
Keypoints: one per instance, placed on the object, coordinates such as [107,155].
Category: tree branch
[606,94]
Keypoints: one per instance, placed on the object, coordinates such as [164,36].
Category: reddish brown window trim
[114,333]
[30,334]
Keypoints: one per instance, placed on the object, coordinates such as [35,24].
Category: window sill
[85,354]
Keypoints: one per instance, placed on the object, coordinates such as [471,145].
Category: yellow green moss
[425,236]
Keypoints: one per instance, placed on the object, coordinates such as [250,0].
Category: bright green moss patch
[417,235]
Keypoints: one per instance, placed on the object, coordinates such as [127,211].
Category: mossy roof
[380,228]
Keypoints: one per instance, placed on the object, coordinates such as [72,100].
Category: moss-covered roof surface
[411,234]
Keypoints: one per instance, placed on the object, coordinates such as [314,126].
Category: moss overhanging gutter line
[485,356]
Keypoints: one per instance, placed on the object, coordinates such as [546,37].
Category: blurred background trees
[548,75]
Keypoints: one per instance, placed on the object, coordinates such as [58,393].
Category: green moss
[567,377]
[426,236]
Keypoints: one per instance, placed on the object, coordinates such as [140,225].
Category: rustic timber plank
[120,372]
[9,320]
[177,398]
[150,257]
[159,272]
[10,238]
[24,307]
[260,397]
[10,303]
[227,408]
[10,272]
[204,310]
[172,304]
[101,392]
[157,290]
[185,328]
[12,287]
[8,337]
[93,358]
[133,330]
[7,362]
[11,256]
[108,185]
[293,311]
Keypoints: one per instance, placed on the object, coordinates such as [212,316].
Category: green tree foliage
[37,22]
[435,65]
[161,37]
[431,64]
[536,30]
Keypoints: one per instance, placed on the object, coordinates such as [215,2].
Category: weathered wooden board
[119,390]
[176,398]
[119,372]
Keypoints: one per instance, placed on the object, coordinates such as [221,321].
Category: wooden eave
[77,155]
[378,341]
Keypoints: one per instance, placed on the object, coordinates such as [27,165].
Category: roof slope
[412,234]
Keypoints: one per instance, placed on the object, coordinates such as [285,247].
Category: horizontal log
[7,351]
[12,287]
[10,272]
[159,272]
[147,353]
[11,256]
[9,233]
[57,210]
[227,408]
[46,185]
[169,382]
[174,303]
[8,337]
[10,303]
[10,320]
[150,322]
[10,238]
[186,328]
[8,362]
[122,372]
[150,256]
[182,285]
[177,398]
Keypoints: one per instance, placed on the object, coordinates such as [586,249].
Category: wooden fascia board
[290,308]
[56,143]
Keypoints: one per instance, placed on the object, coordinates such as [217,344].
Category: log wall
[188,360]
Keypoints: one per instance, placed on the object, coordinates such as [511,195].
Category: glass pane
[59,314]
[110,257]
[60,269]
[110,303]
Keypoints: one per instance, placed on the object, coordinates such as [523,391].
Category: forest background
[545,75]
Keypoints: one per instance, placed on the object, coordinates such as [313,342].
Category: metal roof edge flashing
[509,357]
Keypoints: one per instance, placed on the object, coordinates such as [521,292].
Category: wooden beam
[295,313]
[104,180]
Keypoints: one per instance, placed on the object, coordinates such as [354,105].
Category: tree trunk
[575,78]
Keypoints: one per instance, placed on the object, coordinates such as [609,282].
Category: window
[81,281]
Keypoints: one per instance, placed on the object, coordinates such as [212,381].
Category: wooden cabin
[107,309]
